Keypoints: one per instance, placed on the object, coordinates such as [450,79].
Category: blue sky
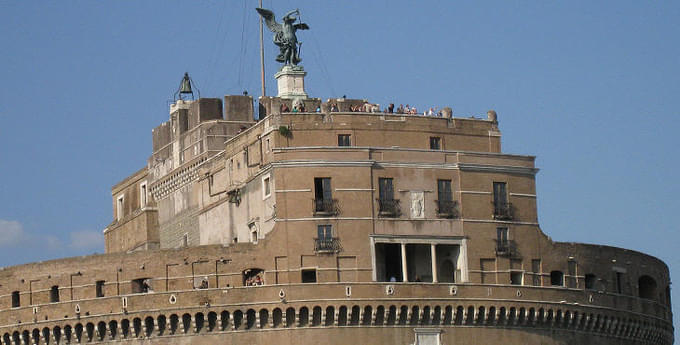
[591,88]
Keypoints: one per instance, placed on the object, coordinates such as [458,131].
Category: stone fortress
[333,227]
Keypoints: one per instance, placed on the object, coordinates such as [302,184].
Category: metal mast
[264,92]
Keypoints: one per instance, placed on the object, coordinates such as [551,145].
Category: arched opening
[330,315]
[502,315]
[200,321]
[89,331]
[470,315]
[148,325]
[46,335]
[316,316]
[415,315]
[186,323]
[354,319]
[212,321]
[7,339]
[174,323]
[26,335]
[290,317]
[448,315]
[403,315]
[304,316]
[56,334]
[342,316]
[447,272]
[590,280]
[437,317]
[392,315]
[368,314]
[425,320]
[264,318]
[492,314]
[556,278]
[162,324]
[113,329]
[78,330]
[380,315]
[16,338]
[224,320]
[125,328]
[481,316]
[137,327]
[647,287]
[250,318]
[101,330]
[277,317]
[36,336]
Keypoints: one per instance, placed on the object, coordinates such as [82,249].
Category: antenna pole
[264,92]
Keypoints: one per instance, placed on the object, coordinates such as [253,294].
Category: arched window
[556,278]
[647,287]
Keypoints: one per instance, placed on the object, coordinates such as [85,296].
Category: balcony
[503,211]
[327,245]
[506,248]
[388,208]
[325,207]
[447,209]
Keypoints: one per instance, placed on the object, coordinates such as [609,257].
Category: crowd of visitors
[368,108]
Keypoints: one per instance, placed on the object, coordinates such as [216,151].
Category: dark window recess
[446,207]
[141,285]
[325,242]
[54,294]
[503,245]
[99,288]
[344,140]
[536,268]
[502,209]
[556,278]
[16,299]
[388,206]
[324,204]
[309,276]
[618,282]
[590,281]
[516,278]
[435,143]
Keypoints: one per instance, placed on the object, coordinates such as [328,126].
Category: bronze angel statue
[284,34]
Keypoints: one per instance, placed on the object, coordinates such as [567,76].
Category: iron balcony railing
[388,208]
[327,244]
[325,207]
[447,208]
[503,211]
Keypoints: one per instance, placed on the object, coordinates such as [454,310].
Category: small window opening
[344,140]
[99,288]
[16,299]
[267,146]
[647,287]
[516,278]
[435,143]
[142,195]
[54,294]
[556,278]
[185,240]
[253,277]
[141,285]
[266,187]
[536,269]
[119,207]
[618,280]
[309,276]
[590,281]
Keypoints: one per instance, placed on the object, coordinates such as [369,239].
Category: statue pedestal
[291,82]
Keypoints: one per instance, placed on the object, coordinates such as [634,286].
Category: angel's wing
[270,20]
[301,26]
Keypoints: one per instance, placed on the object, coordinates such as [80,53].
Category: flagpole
[264,92]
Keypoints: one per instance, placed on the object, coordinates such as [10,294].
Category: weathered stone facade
[333,227]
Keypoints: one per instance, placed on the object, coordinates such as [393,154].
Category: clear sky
[590,88]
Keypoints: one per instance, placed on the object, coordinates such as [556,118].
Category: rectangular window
[54,294]
[16,299]
[446,207]
[324,239]
[142,195]
[501,206]
[267,146]
[618,282]
[387,205]
[324,232]
[444,190]
[141,285]
[309,276]
[536,269]
[502,244]
[435,143]
[99,288]
[266,187]
[344,140]
[516,278]
[323,197]
[185,240]
[385,190]
[571,271]
[119,207]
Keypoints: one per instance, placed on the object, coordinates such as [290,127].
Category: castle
[328,222]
